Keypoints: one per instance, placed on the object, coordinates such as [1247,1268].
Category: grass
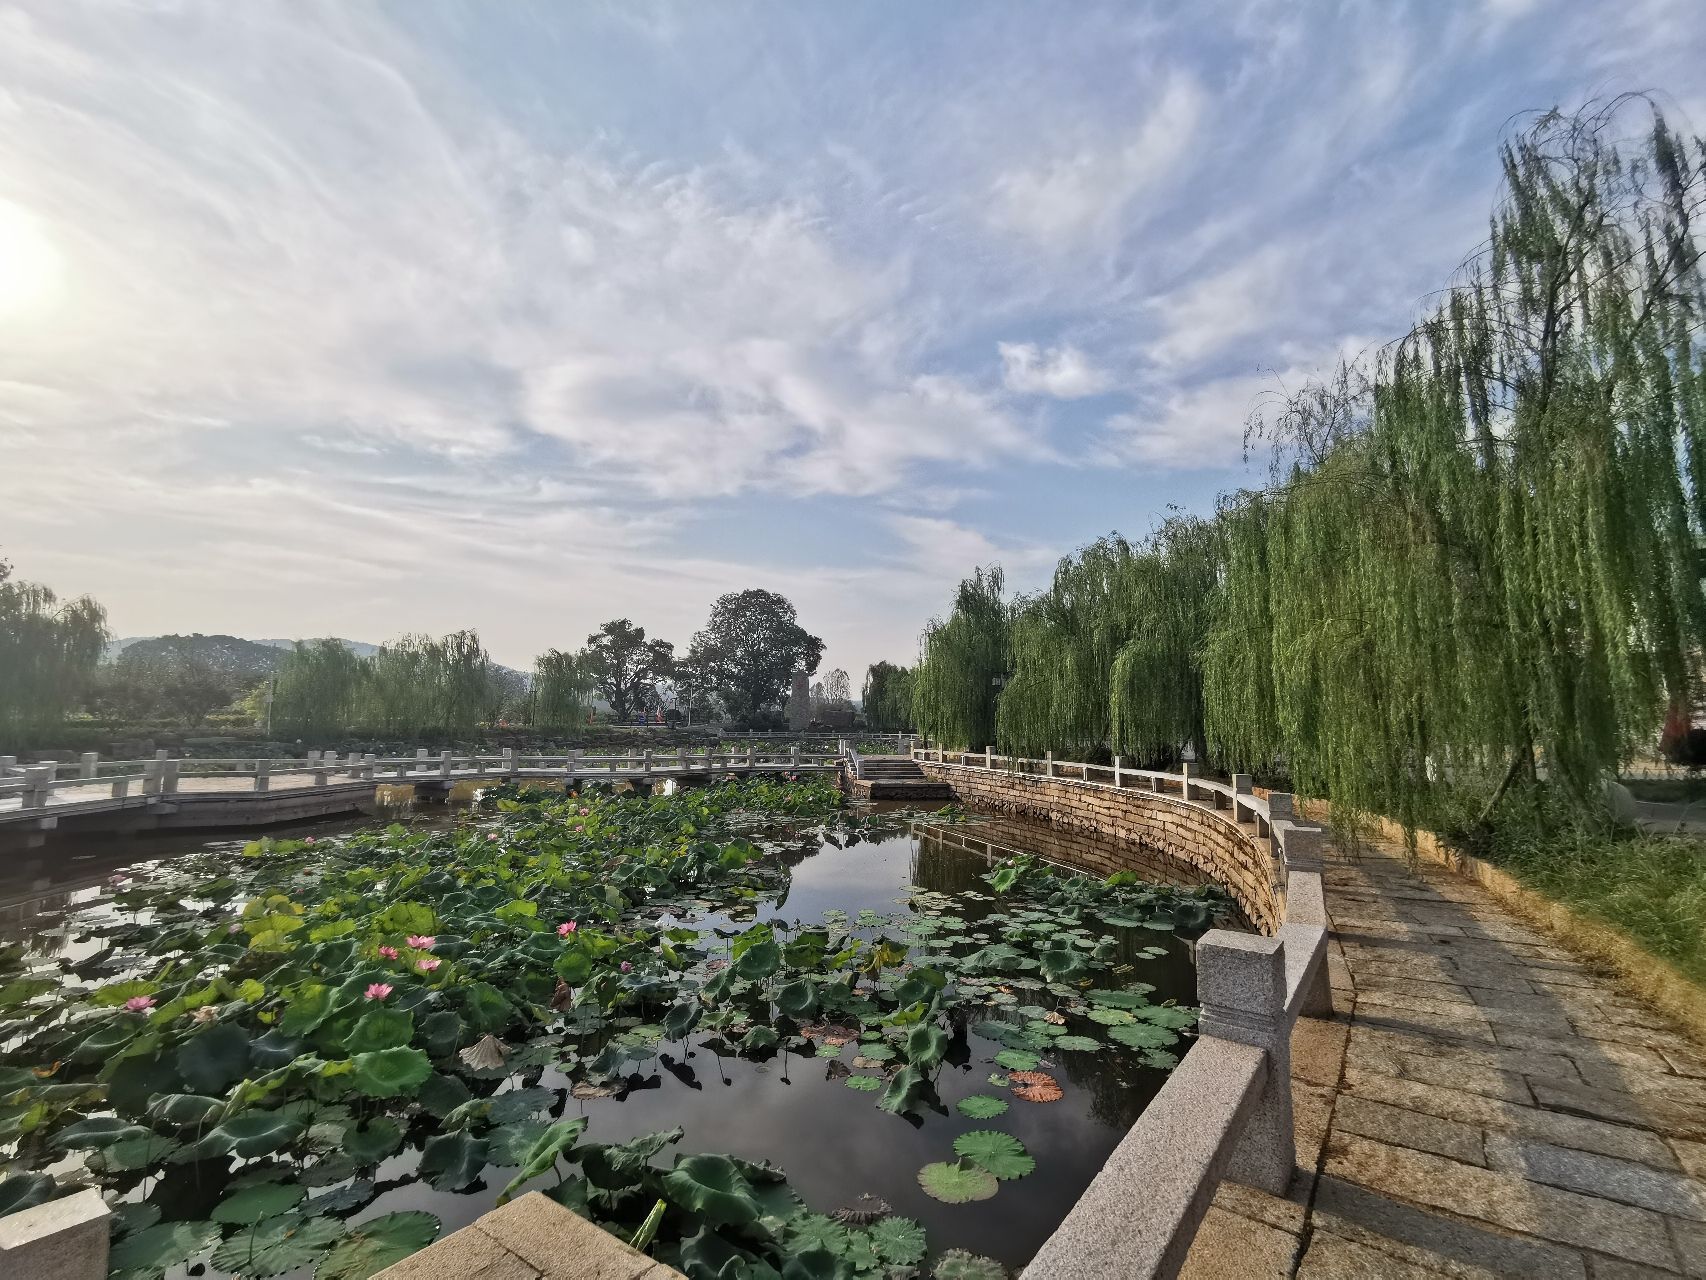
[1651,887]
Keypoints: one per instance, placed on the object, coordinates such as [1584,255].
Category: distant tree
[123,692]
[887,697]
[562,690]
[832,694]
[191,686]
[750,648]
[48,652]
[317,690]
[956,685]
[626,667]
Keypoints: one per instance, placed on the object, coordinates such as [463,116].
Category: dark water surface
[833,1142]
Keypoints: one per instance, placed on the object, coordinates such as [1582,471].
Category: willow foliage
[316,688]
[954,686]
[563,685]
[887,697]
[1489,565]
[48,652]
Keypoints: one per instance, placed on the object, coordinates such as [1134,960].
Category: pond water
[791,1106]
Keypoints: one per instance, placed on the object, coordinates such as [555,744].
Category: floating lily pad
[957,1264]
[371,1246]
[899,1242]
[1077,1044]
[864,1084]
[956,1182]
[980,1106]
[1002,1154]
[251,1204]
[153,1250]
[1017,1060]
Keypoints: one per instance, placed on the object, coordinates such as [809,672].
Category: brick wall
[1233,856]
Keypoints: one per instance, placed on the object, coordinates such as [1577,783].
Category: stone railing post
[1302,853]
[121,787]
[1187,771]
[509,762]
[263,775]
[8,764]
[313,757]
[1281,804]
[421,757]
[369,763]
[1048,764]
[88,764]
[1241,987]
[444,764]
[1119,772]
[320,774]
[152,770]
[1243,784]
[64,1239]
[169,776]
[646,761]
[36,781]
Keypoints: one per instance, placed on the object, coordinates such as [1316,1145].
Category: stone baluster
[1241,988]
[263,775]
[37,786]
[1119,775]
[89,764]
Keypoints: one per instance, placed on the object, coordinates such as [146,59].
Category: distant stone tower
[800,702]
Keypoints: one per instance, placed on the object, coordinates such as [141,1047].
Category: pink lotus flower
[584,812]
[379,990]
[428,964]
[626,967]
[390,953]
[579,827]
[566,928]
[139,1004]
[422,941]
[233,928]
[308,840]
[117,879]
[492,836]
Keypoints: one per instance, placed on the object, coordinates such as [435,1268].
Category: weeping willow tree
[956,682]
[48,652]
[316,688]
[1484,561]
[562,690]
[1062,644]
[887,697]
[1155,687]
[419,683]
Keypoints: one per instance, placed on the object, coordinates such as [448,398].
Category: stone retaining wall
[1232,855]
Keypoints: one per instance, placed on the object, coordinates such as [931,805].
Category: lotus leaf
[441,1033]
[256,1133]
[759,1038]
[252,1204]
[97,1132]
[153,1250]
[453,1160]
[797,999]
[546,1150]
[1077,1044]
[957,1264]
[441,1094]
[908,1090]
[1143,1035]
[25,1191]
[1003,1155]
[215,1058]
[898,1241]
[758,961]
[387,1073]
[273,1247]
[380,1029]
[518,1104]
[508,1146]
[980,1106]
[1017,1060]
[926,1045]
[956,1182]
[864,1084]
[614,1166]
[712,1187]
[373,1141]
[681,1019]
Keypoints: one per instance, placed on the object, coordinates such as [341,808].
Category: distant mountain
[249,659]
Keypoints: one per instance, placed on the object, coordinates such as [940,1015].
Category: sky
[344,318]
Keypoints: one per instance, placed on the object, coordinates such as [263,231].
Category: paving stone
[1284,1213]
[1690,1238]
[1332,1257]
[1643,1111]
[1691,1155]
[1498,1114]
[1435,1240]
[1318,1049]
[562,1244]
[468,1254]
[1505,1200]
[1229,1245]
[1593,1174]
[1621,1269]
[1410,1129]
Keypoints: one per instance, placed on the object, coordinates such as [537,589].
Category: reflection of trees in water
[942,867]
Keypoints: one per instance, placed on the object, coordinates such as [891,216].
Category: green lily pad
[388,1073]
[1017,1060]
[96,1132]
[258,1133]
[251,1204]
[713,1187]
[369,1247]
[1077,1044]
[372,1142]
[281,1244]
[957,1264]
[864,1084]
[214,1059]
[151,1251]
[898,1241]
[380,1029]
[1143,1035]
[1002,1154]
[452,1160]
[956,1182]
[25,1191]
[980,1106]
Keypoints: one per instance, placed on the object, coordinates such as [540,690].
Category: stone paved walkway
[1484,1104]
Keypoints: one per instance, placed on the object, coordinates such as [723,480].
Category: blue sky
[363,318]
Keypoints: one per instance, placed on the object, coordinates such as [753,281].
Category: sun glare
[29,264]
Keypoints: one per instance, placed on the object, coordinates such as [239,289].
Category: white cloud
[1082,191]
[1064,372]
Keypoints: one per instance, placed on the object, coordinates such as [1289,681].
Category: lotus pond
[746,1028]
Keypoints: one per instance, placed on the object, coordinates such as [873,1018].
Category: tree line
[1477,563]
[738,666]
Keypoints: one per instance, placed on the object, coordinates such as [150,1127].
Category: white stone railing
[36,784]
[1226,1110]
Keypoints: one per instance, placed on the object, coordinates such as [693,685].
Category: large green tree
[48,652]
[562,690]
[317,689]
[750,648]
[958,680]
[887,697]
[626,666]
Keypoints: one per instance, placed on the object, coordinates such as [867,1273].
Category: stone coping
[530,1238]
